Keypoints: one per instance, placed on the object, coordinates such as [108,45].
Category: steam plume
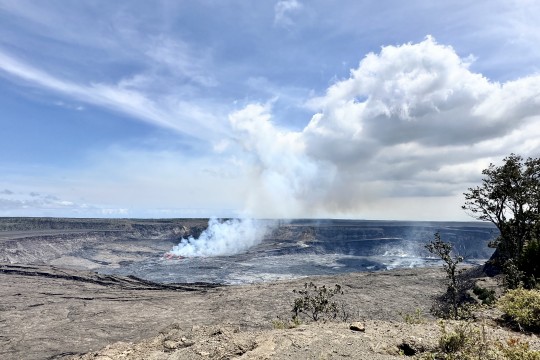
[223,238]
[405,122]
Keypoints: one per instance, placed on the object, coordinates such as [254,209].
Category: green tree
[509,197]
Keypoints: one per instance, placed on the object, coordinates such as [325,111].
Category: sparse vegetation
[509,197]
[279,324]
[450,262]
[523,307]
[317,303]
[465,340]
[282,324]
[345,312]
[415,317]
[517,350]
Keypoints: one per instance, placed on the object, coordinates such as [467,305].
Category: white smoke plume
[411,121]
[227,237]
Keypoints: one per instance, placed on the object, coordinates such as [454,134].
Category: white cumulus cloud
[412,120]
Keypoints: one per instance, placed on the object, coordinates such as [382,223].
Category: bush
[468,341]
[523,307]
[317,302]
[485,295]
[517,350]
[463,342]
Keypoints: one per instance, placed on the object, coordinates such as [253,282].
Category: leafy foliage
[523,307]
[509,197]
[528,262]
[513,277]
[485,295]
[317,302]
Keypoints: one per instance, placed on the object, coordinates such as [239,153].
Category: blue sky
[282,108]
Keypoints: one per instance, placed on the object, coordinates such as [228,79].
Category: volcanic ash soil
[54,313]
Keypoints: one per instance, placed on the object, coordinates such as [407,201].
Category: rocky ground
[53,313]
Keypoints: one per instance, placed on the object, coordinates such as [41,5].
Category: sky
[267,109]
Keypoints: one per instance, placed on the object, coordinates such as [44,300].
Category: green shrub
[523,307]
[485,295]
[464,341]
[317,302]
[468,341]
[518,350]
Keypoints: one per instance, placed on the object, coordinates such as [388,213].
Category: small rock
[357,326]
[170,345]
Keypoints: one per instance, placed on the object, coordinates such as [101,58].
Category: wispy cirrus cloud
[126,63]
[168,112]
[181,60]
